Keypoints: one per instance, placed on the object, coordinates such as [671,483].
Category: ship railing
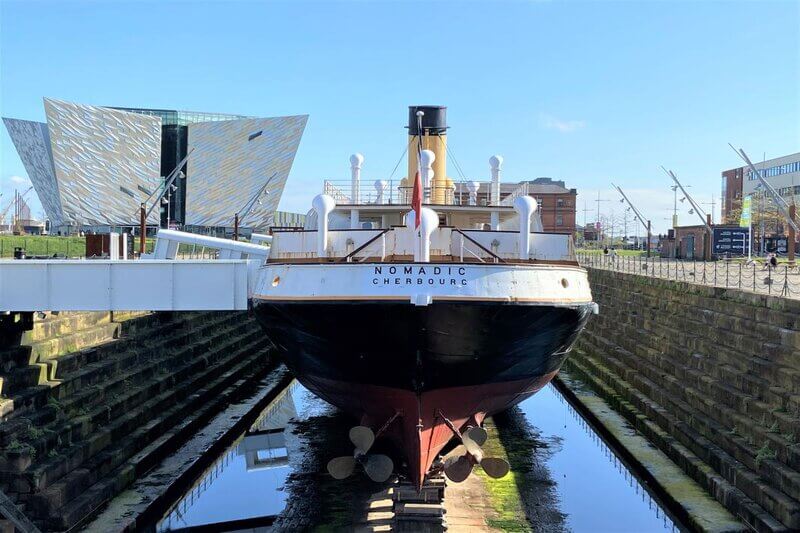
[390,192]
[380,238]
[331,189]
[462,247]
[522,190]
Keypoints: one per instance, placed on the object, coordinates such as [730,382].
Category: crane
[11,204]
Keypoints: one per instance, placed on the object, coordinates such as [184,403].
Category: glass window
[559,220]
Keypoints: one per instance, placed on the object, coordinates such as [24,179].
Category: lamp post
[239,216]
[142,227]
[645,223]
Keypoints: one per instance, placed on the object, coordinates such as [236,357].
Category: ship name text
[419,275]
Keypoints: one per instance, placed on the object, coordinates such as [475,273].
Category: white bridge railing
[157,282]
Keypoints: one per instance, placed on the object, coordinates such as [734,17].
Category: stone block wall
[92,401]
[712,377]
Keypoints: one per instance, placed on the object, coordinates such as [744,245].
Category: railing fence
[781,280]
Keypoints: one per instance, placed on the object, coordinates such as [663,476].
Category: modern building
[782,173]
[93,166]
[174,145]
[239,166]
[90,166]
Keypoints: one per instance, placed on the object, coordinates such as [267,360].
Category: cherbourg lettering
[419,275]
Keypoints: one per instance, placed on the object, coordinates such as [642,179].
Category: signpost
[730,240]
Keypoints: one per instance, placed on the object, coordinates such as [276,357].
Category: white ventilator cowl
[525,206]
[323,204]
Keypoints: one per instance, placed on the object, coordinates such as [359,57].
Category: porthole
[564,283]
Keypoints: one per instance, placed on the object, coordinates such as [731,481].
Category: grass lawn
[50,245]
[42,245]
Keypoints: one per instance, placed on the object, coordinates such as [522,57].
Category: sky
[587,92]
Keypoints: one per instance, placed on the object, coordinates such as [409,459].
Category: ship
[422,305]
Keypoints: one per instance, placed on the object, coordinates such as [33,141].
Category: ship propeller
[458,463]
[378,467]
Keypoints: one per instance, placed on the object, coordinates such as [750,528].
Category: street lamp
[251,202]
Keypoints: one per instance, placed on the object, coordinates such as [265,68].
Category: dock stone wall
[91,401]
[712,377]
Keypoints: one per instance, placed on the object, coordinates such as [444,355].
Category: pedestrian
[773,260]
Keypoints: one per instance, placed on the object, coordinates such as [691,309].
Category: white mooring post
[495,166]
[356,160]
[525,206]
[323,204]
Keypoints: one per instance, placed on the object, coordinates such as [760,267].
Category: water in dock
[271,476]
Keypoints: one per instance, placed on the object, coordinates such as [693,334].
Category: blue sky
[588,92]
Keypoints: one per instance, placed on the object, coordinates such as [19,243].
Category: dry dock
[676,411]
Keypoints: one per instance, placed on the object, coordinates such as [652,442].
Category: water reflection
[595,489]
[246,481]
[592,488]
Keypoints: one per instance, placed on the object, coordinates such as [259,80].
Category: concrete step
[99,360]
[760,401]
[63,324]
[139,428]
[115,406]
[81,389]
[54,347]
[106,397]
[209,400]
[25,377]
[644,416]
[708,440]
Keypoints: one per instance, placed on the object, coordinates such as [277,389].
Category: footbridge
[156,282]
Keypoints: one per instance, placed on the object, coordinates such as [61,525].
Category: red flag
[416,200]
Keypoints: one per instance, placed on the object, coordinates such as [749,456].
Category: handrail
[479,245]
[375,238]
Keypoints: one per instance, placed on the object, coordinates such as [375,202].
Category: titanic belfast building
[93,166]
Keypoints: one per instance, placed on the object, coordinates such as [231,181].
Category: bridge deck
[107,285]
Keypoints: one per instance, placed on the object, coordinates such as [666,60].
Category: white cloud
[19,180]
[564,126]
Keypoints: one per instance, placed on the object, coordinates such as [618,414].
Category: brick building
[556,202]
[731,194]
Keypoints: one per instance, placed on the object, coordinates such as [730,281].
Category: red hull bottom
[421,429]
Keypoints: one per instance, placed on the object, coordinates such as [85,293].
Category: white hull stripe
[423,284]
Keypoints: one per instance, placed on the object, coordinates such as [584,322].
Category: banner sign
[744,220]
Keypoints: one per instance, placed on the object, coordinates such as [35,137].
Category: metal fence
[781,280]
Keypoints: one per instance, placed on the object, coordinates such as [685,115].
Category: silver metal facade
[231,161]
[106,162]
[32,141]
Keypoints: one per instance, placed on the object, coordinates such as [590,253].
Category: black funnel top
[434,122]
